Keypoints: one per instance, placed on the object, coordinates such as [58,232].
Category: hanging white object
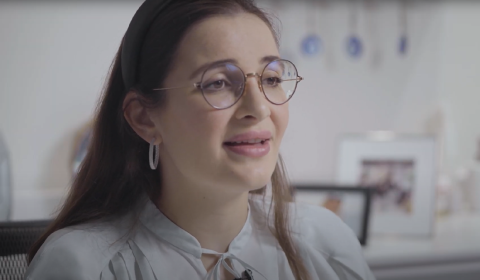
[476,179]
[5,182]
[373,25]
[468,183]
[325,28]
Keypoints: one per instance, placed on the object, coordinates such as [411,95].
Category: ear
[139,118]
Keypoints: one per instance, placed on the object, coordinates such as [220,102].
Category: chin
[249,176]
[256,185]
[251,181]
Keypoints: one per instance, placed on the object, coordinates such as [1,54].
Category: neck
[213,220]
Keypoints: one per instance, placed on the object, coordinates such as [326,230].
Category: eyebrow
[201,69]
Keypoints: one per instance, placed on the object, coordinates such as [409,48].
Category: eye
[218,84]
[215,85]
[272,81]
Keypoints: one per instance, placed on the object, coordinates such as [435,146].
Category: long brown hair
[115,172]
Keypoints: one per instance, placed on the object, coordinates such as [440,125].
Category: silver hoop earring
[153,149]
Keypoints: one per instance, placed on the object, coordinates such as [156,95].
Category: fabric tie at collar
[223,261]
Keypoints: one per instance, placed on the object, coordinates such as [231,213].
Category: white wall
[459,78]
[54,58]
[341,95]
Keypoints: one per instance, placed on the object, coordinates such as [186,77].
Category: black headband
[135,35]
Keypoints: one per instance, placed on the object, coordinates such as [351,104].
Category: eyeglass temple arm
[197,85]
[298,79]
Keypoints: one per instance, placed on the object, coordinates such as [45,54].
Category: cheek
[280,117]
[209,127]
[192,126]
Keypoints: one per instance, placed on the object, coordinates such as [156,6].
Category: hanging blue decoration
[403,28]
[311,45]
[403,44]
[354,46]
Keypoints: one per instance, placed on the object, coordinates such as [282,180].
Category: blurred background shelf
[452,253]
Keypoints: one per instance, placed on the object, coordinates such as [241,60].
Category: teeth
[253,141]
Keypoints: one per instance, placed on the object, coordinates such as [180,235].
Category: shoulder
[323,239]
[78,252]
[316,225]
[322,234]
[323,229]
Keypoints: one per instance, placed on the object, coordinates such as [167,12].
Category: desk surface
[456,239]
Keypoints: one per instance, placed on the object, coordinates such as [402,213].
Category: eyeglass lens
[223,85]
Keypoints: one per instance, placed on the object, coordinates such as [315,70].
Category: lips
[250,144]
[247,142]
[251,136]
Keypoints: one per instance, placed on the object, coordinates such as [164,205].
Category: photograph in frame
[401,171]
[392,182]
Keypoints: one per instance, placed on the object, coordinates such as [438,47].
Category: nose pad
[255,105]
[257,77]
[259,85]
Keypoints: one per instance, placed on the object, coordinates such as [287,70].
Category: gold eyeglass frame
[198,85]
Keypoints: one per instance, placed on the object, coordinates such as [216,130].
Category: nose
[257,78]
[253,103]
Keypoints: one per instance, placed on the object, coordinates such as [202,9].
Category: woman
[199,88]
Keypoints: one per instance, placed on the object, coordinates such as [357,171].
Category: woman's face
[195,148]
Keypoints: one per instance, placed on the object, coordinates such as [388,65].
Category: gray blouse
[158,249]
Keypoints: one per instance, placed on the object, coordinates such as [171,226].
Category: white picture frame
[403,171]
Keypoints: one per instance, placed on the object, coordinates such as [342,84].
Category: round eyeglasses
[223,84]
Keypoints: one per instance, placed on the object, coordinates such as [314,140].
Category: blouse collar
[162,227]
